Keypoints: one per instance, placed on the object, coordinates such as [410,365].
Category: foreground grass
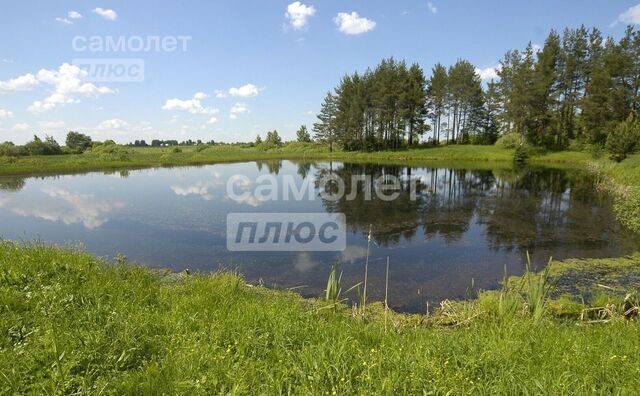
[71,323]
[132,158]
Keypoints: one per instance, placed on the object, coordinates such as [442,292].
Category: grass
[72,323]
[622,181]
[134,158]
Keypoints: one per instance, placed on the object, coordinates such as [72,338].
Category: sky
[229,70]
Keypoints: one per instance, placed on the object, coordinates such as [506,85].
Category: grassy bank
[132,158]
[622,181]
[72,323]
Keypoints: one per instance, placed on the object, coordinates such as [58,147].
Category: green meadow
[71,323]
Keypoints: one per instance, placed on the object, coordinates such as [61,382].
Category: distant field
[136,157]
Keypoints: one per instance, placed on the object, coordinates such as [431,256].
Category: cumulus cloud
[353,24]
[5,114]
[67,84]
[212,120]
[238,108]
[245,91]
[630,16]
[64,21]
[106,13]
[193,105]
[74,15]
[114,124]
[432,7]
[489,73]
[21,83]
[298,14]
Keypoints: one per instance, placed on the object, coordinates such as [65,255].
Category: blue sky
[248,66]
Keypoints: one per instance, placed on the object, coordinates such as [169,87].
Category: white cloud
[489,73]
[74,15]
[114,124]
[245,91]
[432,7]
[193,106]
[212,120]
[353,24]
[21,83]
[220,94]
[238,108]
[20,127]
[298,14]
[5,114]
[536,48]
[68,85]
[106,13]
[64,21]
[630,16]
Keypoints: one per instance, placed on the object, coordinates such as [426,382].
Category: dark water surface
[463,225]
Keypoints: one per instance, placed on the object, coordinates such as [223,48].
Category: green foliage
[522,154]
[538,288]
[8,149]
[272,141]
[302,135]
[509,141]
[39,147]
[78,142]
[109,151]
[624,139]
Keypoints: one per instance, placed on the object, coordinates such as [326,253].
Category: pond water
[458,227]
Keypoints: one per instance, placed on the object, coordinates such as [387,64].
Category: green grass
[71,323]
[132,158]
[622,181]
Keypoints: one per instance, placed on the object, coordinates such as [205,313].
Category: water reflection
[454,226]
[66,206]
[12,183]
[519,209]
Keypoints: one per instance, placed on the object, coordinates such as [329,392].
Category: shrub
[8,149]
[623,140]
[273,140]
[109,151]
[78,142]
[522,153]
[39,147]
[176,150]
[509,141]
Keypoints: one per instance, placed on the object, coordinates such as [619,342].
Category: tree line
[579,87]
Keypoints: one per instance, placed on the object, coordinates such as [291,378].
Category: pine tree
[324,130]
[303,135]
[437,96]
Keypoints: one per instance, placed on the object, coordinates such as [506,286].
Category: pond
[452,229]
